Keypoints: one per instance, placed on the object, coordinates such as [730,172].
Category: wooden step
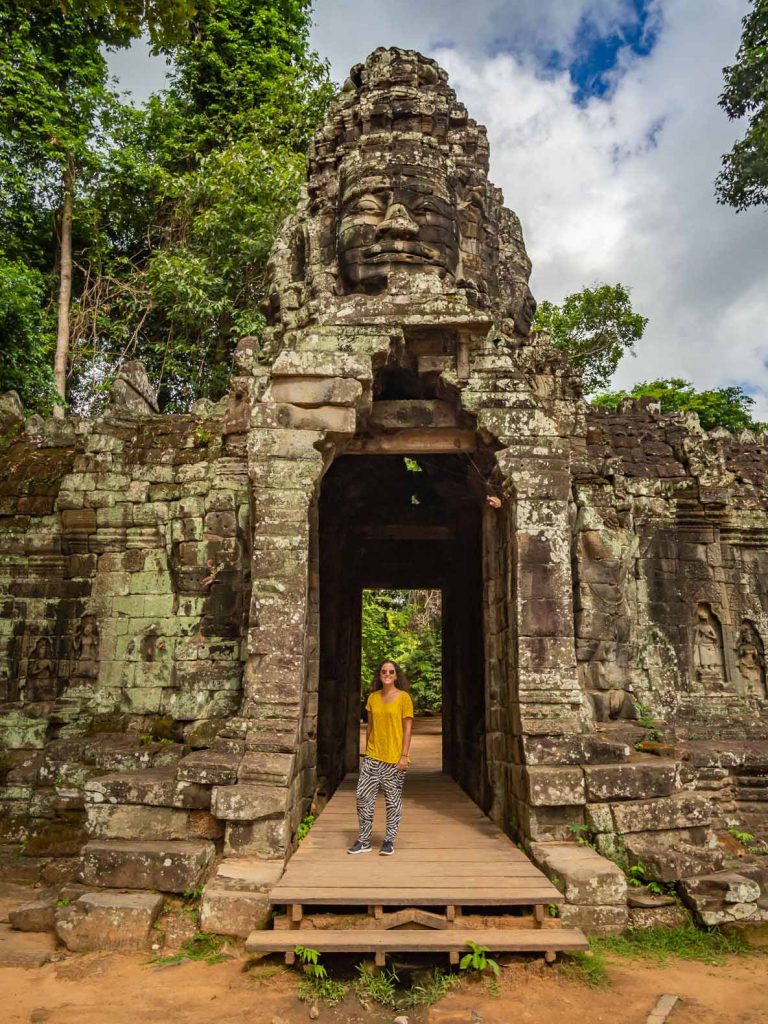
[413,940]
[441,894]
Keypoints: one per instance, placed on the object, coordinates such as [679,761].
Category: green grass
[587,968]
[684,943]
[202,946]
[325,990]
[429,991]
[378,986]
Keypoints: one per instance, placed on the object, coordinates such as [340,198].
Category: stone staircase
[630,806]
[750,798]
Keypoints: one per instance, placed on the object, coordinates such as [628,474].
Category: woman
[387,742]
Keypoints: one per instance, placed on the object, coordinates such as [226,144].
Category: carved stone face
[403,218]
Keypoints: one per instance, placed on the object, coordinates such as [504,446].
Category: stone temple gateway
[179,665]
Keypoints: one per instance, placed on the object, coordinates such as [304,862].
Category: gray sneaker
[359,847]
[387,848]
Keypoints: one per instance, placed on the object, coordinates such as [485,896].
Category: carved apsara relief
[708,656]
[751,660]
[85,648]
[41,672]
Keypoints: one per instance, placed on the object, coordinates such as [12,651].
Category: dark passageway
[391,522]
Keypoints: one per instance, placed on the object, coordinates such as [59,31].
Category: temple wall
[671,567]
[124,578]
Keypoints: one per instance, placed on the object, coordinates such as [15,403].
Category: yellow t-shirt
[385,726]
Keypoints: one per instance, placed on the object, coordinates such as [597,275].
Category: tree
[594,327]
[53,91]
[151,226]
[743,182]
[26,365]
[200,180]
[720,407]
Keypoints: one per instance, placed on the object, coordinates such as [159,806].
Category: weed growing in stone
[637,876]
[647,719]
[304,826]
[583,834]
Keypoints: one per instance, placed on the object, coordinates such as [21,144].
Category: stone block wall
[124,580]
[671,567]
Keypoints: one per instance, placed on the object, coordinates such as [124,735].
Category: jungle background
[405,625]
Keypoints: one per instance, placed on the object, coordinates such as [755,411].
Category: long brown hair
[400,680]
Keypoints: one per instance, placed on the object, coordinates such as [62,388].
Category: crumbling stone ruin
[179,665]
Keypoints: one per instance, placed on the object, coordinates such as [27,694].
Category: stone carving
[41,672]
[751,655]
[407,218]
[132,393]
[708,661]
[85,648]
[398,202]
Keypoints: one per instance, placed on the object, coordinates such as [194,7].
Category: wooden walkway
[449,859]
[448,853]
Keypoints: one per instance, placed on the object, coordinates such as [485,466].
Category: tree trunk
[65,287]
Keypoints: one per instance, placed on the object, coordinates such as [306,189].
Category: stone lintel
[416,441]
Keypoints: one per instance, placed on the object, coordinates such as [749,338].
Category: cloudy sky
[606,138]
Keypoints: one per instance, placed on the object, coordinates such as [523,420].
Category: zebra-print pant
[373,776]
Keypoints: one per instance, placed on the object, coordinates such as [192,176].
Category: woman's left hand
[402,764]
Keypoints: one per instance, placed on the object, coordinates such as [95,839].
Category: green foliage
[193,896]
[378,986]
[327,990]
[684,943]
[587,968]
[583,834]
[316,984]
[476,960]
[304,827]
[594,328]
[405,625]
[749,842]
[720,407]
[26,340]
[637,876]
[743,182]
[647,719]
[741,837]
[176,202]
[310,960]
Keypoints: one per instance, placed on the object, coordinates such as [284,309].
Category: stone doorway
[416,522]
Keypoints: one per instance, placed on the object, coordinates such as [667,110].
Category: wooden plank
[370,940]
[417,897]
[331,880]
[416,872]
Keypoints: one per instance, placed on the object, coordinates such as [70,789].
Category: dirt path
[122,989]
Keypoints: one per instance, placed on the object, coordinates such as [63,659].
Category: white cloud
[598,199]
